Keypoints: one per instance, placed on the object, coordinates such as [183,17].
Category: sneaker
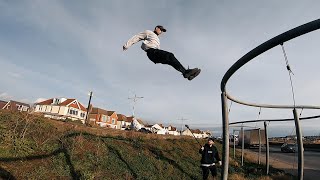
[189,72]
[194,75]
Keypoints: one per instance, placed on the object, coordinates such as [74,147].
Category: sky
[53,48]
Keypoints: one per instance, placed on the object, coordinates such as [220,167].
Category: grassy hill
[33,147]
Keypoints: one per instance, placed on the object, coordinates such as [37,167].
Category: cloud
[14,75]
[59,48]
[39,100]
[5,96]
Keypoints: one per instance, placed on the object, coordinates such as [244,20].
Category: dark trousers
[164,57]
[205,172]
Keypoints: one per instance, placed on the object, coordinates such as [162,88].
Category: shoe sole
[191,73]
[192,76]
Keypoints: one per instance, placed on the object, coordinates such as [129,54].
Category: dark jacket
[209,154]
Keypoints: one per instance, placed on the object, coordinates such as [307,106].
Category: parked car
[288,147]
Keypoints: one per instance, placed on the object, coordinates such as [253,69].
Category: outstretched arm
[134,39]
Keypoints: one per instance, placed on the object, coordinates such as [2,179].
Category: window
[113,121]
[73,112]
[104,118]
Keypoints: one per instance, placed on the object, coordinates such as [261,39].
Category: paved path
[289,161]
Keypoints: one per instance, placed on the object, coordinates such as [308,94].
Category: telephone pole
[87,115]
[182,120]
[134,99]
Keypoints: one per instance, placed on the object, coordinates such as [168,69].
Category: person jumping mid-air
[151,45]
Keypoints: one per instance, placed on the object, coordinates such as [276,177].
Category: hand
[124,48]
[220,163]
[202,148]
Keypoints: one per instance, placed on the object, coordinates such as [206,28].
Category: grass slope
[33,147]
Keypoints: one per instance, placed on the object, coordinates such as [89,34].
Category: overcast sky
[51,48]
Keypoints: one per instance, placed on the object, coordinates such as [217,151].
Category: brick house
[15,106]
[112,119]
[62,108]
[121,123]
[103,118]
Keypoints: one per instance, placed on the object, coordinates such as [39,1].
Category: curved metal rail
[280,39]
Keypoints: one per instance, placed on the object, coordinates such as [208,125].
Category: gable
[73,103]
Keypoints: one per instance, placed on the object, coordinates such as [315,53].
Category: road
[311,161]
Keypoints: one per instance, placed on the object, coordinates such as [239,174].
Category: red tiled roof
[82,107]
[96,110]
[66,102]
[173,129]
[110,113]
[46,102]
[197,131]
[122,117]
[129,119]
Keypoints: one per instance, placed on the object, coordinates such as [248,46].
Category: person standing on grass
[151,45]
[210,158]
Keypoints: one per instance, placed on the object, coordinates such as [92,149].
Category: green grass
[48,150]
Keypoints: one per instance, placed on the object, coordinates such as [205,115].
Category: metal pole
[87,116]
[242,148]
[134,99]
[182,119]
[300,145]
[234,145]
[267,147]
[193,135]
[225,146]
[259,155]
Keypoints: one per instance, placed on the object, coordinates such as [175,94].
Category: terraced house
[62,108]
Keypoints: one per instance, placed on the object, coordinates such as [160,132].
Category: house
[15,106]
[158,129]
[133,123]
[98,116]
[112,119]
[103,118]
[172,130]
[62,108]
[121,123]
[197,133]
[128,121]
[148,127]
